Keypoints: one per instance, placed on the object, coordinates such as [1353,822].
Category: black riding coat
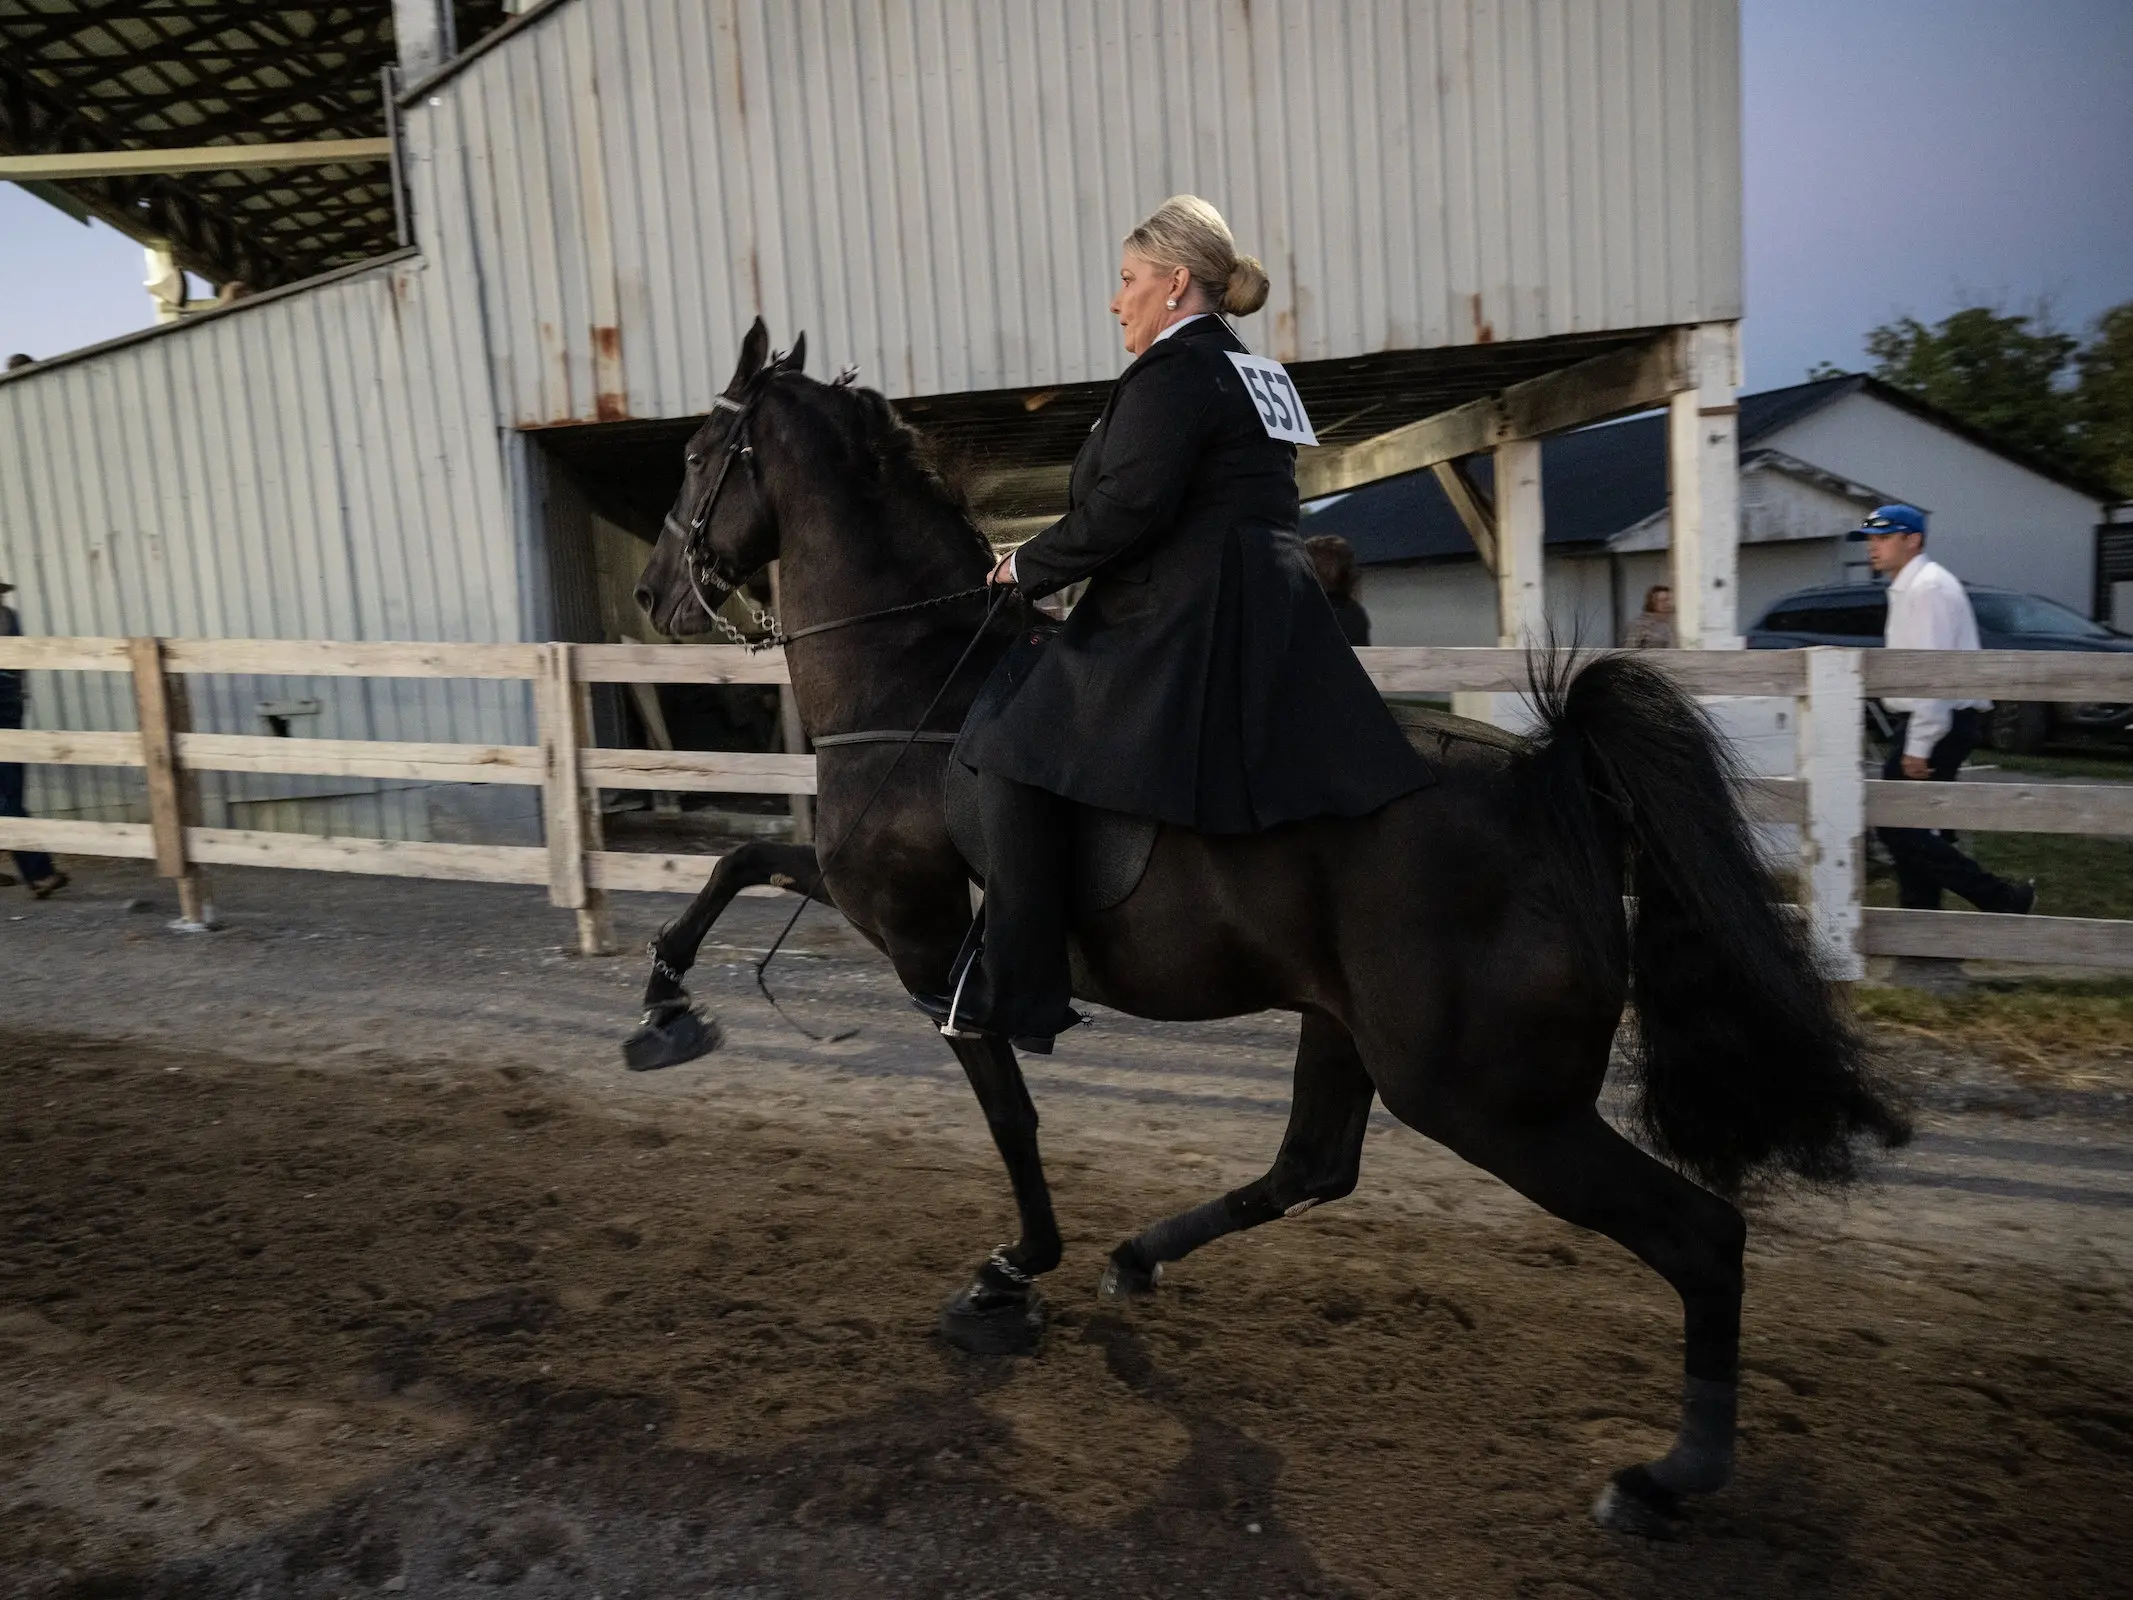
[1202,679]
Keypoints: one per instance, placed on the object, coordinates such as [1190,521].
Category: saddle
[1111,849]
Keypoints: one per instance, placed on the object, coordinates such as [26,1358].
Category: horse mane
[905,458]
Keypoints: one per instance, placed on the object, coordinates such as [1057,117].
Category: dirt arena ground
[339,1257]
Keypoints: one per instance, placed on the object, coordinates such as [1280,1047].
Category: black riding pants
[1029,846]
[1928,860]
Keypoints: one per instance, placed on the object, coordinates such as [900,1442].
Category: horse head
[721,531]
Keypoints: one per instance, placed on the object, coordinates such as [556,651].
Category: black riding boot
[1023,988]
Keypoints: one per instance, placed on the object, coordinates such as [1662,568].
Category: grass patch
[2097,763]
[2073,1032]
[2076,876]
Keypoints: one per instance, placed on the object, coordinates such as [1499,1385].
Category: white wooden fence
[1830,800]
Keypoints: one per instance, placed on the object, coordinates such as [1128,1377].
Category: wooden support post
[164,711]
[1833,837]
[1521,595]
[1703,474]
[1521,527]
[573,826]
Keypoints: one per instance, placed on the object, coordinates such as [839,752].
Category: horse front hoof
[670,1034]
[1128,1277]
[984,1323]
[1635,1502]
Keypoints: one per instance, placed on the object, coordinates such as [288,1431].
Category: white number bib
[1281,409]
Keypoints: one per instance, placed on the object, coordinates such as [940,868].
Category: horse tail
[1749,1065]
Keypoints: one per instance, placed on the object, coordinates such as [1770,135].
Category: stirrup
[948,1027]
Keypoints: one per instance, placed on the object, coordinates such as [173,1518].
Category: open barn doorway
[595,496]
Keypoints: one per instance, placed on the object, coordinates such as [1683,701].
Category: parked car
[1854,614]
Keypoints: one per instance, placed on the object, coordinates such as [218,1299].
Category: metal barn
[1486,221]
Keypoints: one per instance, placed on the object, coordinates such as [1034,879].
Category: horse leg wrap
[1175,1238]
[1702,1457]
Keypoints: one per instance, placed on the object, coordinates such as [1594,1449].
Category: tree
[1999,372]
[2103,400]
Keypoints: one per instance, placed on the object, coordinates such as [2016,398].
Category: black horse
[1465,954]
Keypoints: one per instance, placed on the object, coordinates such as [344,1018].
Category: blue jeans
[34,865]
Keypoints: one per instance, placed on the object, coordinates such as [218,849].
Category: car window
[2033,615]
[1830,614]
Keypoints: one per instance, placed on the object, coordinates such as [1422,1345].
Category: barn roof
[99,75]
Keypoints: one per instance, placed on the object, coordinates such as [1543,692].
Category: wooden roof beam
[1631,379]
[205,158]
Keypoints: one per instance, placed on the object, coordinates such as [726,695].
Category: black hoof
[1128,1275]
[670,1034]
[979,1321]
[1636,1502]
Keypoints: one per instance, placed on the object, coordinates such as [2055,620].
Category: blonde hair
[1185,231]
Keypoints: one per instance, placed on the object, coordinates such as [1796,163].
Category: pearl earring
[1172,304]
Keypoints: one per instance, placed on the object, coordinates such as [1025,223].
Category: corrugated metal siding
[933,187]
[322,465]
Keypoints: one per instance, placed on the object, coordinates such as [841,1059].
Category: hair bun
[1246,289]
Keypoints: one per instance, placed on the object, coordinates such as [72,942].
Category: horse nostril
[645,597]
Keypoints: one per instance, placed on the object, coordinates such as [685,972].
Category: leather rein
[706,569]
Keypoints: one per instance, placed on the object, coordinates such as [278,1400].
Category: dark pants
[34,865]
[1029,852]
[1927,860]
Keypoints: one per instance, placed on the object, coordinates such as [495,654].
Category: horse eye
[695,460]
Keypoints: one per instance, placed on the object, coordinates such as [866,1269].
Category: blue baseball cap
[1898,518]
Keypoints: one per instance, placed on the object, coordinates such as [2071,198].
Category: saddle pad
[1111,849]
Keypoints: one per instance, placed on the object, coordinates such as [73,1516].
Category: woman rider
[1202,679]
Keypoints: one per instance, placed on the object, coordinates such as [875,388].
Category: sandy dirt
[338,1256]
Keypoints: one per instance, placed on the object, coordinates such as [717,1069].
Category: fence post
[163,711]
[1832,720]
[564,715]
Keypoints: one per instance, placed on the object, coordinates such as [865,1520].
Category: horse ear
[754,347]
[797,360]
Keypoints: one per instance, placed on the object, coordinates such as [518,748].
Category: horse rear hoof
[1635,1503]
[986,1326]
[669,1040]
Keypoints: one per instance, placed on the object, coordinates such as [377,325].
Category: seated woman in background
[1333,559]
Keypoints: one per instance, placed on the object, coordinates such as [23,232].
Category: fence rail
[1830,799]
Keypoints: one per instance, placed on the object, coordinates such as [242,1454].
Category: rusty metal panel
[936,188]
[322,463]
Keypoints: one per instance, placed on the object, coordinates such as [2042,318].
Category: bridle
[706,569]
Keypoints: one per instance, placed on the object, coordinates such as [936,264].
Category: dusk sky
[1902,156]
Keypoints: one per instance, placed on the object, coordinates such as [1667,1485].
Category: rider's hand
[1004,573]
[1916,767]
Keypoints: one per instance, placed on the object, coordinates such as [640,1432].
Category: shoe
[2024,900]
[50,886]
[8,880]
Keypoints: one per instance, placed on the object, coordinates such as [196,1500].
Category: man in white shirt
[1928,610]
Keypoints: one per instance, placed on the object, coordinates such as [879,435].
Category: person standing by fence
[1928,610]
[1654,627]
[35,866]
